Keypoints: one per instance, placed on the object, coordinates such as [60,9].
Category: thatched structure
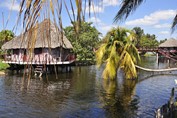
[169,49]
[44,35]
[170,43]
[49,44]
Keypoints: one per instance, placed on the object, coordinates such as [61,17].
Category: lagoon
[83,93]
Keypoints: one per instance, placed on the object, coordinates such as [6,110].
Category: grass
[3,66]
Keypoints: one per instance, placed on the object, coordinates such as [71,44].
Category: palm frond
[128,6]
[133,52]
[111,66]
[100,53]
[174,24]
[121,53]
[110,70]
[128,66]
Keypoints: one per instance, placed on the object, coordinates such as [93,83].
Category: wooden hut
[169,45]
[50,47]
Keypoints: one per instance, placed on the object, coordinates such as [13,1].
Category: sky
[153,16]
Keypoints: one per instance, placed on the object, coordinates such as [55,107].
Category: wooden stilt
[168,62]
[157,57]
[69,68]
[66,68]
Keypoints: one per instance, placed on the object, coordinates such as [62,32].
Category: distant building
[169,45]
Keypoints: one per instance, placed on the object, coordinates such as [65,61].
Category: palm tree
[118,51]
[129,6]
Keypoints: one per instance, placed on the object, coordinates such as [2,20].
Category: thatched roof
[47,35]
[169,43]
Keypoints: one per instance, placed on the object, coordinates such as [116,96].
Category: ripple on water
[153,93]
[83,94]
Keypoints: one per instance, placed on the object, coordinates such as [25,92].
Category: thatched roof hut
[169,43]
[43,35]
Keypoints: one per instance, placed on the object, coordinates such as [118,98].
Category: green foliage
[85,42]
[162,41]
[139,33]
[144,40]
[149,42]
[5,35]
[3,66]
[118,51]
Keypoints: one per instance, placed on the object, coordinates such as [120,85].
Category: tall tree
[148,41]
[6,35]
[139,33]
[86,42]
[162,41]
[118,51]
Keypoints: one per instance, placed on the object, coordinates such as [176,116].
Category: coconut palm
[118,51]
[129,6]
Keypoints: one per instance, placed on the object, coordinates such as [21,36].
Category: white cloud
[99,7]
[164,32]
[110,2]
[153,18]
[105,28]
[10,5]
[165,25]
[95,9]
[100,25]
[94,20]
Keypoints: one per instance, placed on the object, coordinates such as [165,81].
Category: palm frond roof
[169,43]
[43,35]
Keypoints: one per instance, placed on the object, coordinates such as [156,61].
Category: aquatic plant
[118,52]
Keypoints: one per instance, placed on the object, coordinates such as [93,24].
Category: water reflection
[37,99]
[119,99]
[83,93]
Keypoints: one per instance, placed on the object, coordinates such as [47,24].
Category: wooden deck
[39,63]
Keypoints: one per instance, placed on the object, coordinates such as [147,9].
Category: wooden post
[66,67]
[69,68]
[157,57]
[168,62]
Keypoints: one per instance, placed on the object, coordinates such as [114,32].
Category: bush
[3,66]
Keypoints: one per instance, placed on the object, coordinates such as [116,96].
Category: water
[83,94]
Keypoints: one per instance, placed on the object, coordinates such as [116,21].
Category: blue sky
[154,16]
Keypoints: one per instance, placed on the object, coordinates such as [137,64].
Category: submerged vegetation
[118,52]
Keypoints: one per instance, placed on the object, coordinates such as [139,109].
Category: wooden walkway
[168,54]
[148,49]
[156,70]
[39,62]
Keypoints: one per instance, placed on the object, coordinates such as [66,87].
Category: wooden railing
[37,59]
[148,49]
